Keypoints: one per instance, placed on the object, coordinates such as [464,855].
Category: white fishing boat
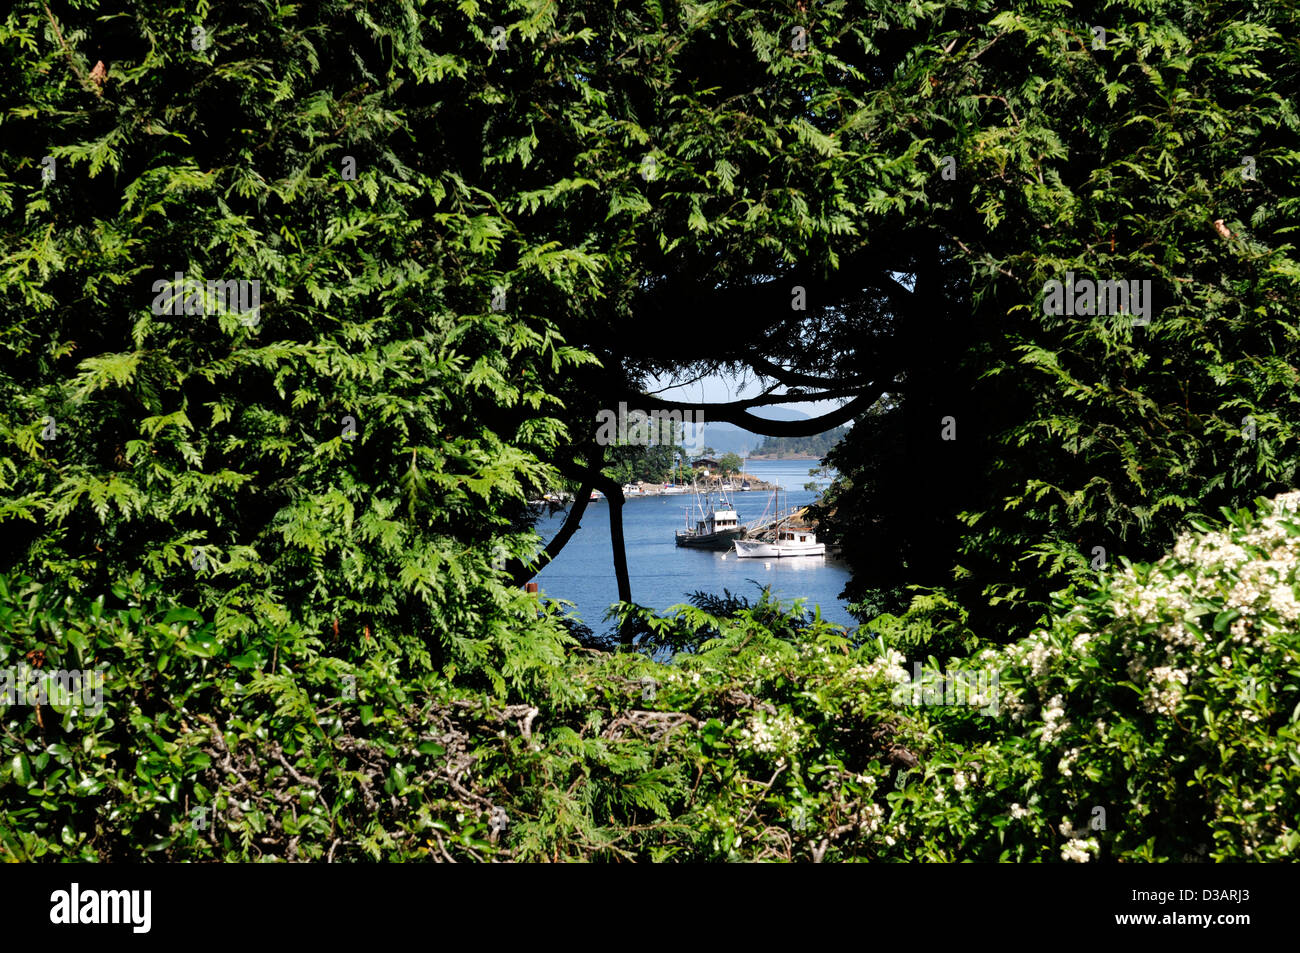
[789,541]
[779,539]
[717,525]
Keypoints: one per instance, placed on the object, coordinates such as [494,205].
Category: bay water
[663,574]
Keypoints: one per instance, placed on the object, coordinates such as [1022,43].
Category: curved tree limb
[794,378]
[591,478]
[521,572]
[762,400]
[735,413]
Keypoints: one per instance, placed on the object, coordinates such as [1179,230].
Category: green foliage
[1077,431]
[729,463]
[354,455]
[1165,695]
[932,625]
[1155,719]
[217,746]
[236,515]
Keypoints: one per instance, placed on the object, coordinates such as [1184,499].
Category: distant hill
[728,438]
[815,446]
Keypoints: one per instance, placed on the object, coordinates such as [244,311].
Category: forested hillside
[815,446]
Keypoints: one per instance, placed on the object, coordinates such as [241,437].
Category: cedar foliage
[1076,432]
[182,502]
[212,452]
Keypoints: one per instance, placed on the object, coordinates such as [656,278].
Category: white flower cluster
[901,831]
[960,779]
[1178,635]
[866,780]
[1035,652]
[1224,567]
[1253,572]
[1015,705]
[1212,551]
[872,815]
[1017,812]
[1040,654]
[1079,849]
[1054,721]
[770,734]
[1147,603]
[1066,766]
[1260,587]
[1163,696]
[890,665]
[1282,600]
[814,651]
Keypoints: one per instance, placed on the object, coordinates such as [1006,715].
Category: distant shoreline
[783,456]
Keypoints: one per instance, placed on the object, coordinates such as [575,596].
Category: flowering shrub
[1152,719]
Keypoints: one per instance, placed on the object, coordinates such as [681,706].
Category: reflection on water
[780,563]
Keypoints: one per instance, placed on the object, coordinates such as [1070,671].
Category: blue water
[663,575]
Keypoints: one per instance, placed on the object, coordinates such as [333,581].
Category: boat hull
[721,540]
[763,549]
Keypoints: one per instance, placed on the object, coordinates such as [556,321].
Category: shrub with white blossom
[1154,719]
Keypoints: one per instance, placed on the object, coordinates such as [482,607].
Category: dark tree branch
[694,380]
[590,477]
[730,413]
[762,400]
[710,323]
[898,293]
[619,546]
[795,378]
[67,51]
[521,573]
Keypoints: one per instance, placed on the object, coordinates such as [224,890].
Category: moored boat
[779,538]
[718,526]
[789,541]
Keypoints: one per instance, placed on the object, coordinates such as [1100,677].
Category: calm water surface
[663,575]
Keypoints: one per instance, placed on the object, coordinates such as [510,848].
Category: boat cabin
[719,520]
